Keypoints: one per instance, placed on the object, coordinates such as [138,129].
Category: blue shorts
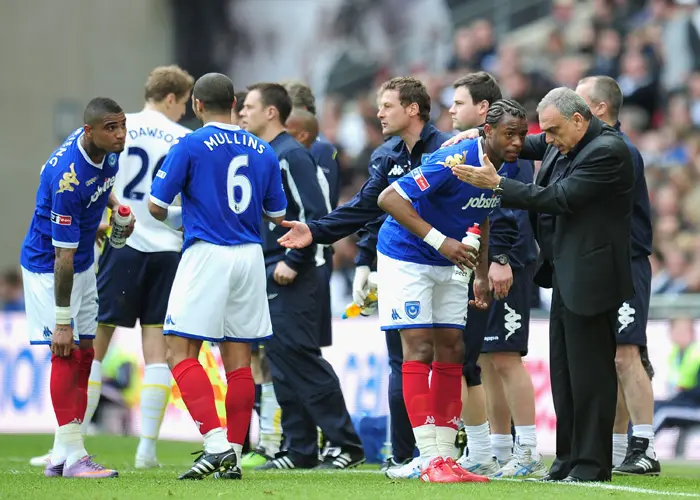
[509,319]
[632,316]
[134,285]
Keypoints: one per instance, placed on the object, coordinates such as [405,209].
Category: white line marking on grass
[614,487]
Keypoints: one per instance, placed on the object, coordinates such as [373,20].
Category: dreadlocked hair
[504,107]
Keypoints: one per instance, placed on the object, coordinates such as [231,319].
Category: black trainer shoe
[637,463]
[233,472]
[209,463]
[391,463]
[339,459]
[286,461]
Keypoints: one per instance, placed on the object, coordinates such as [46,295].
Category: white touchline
[632,489]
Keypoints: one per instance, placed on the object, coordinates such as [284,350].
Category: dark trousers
[307,389]
[403,441]
[584,390]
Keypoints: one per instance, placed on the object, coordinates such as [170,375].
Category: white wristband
[174,218]
[63,315]
[435,239]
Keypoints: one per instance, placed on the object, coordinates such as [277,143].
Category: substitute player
[133,282]
[417,251]
[59,281]
[229,181]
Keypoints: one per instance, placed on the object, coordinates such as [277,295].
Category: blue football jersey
[228,178]
[441,199]
[72,196]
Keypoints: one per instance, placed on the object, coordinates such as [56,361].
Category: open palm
[299,235]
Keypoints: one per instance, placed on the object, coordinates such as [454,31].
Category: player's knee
[506,363]
[449,346]
[419,350]
[625,357]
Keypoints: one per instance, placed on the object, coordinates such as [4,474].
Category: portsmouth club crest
[412,308]
[112,160]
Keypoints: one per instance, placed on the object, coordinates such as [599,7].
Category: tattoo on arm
[63,276]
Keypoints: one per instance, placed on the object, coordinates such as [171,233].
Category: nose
[548,138]
[380,114]
[518,142]
[452,110]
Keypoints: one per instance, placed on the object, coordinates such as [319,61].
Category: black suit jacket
[592,204]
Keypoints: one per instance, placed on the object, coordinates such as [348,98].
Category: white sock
[445,439]
[480,449]
[646,431]
[502,445]
[238,448]
[68,445]
[155,393]
[93,393]
[426,441]
[270,420]
[215,441]
[619,449]
[526,439]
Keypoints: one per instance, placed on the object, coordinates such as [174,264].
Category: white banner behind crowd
[358,355]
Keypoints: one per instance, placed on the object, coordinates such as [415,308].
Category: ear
[483,107]
[488,129]
[270,112]
[87,129]
[170,99]
[413,109]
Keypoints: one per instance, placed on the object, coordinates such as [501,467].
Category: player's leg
[634,379]
[497,410]
[119,278]
[620,428]
[196,310]
[508,335]
[403,442]
[302,376]
[158,276]
[478,455]
[78,463]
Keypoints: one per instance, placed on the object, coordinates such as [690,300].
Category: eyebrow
[550,129]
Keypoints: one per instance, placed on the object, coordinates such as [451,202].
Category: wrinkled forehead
[550,117]
[110,119]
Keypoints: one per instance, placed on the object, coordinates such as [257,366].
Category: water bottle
[370,303]
[472,239]
[120,222]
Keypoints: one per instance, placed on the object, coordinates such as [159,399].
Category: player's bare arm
[482,288]
[157,212]
[402,210]
[62,339]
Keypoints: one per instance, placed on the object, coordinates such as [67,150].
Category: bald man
[303,126]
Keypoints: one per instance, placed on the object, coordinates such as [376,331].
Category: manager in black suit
[584,195]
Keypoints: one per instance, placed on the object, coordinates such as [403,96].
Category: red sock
[64,396]
[197,393]
[446,393]
[84,367]
[240,398]
[416,393]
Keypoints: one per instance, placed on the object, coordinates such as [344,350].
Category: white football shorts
[419,296]
[220,293]
[40,305]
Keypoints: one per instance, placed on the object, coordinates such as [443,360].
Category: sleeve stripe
[279,213]
[64,244]
[401,192]
[158,202]
[296,196]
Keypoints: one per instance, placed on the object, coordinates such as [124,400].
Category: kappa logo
[397,170]
[412,308]
[625,316]
[454,421]
[395,315]
[512,320]
[482,202]
[68,180]
[429,420]
[454,160]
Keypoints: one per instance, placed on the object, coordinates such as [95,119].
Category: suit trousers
[584,390]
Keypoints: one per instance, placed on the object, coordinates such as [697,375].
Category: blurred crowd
[652,48]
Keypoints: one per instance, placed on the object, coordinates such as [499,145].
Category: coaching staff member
[584,195]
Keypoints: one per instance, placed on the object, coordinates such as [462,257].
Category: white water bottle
[120,222]
[472,239]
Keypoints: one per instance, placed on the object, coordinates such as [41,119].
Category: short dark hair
[240,99]
[411,90]
[301,96]
[605,89]
[275,95]
[215,91]
[502,108]
[98,107]
[165,80]
[482,87]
